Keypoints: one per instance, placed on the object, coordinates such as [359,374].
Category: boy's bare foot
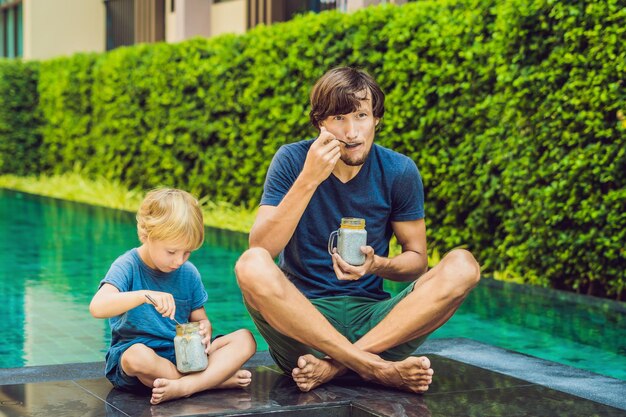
[411,374]
[240,379]
[166,389]
[170,389]
[313,372]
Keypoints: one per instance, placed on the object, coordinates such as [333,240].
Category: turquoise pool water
[54,253]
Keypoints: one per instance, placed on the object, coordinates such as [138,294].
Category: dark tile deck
[471,379]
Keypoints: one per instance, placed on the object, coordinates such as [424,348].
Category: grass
[113,194]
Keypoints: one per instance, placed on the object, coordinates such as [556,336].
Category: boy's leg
[432,301]
[267,290]
[143,363]
[232,352]
[226,356]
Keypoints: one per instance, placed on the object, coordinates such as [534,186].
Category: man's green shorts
[353,317]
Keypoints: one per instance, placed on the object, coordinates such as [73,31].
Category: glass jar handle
[331,238]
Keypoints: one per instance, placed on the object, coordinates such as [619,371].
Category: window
[120,23]
[133,21]
[11,29]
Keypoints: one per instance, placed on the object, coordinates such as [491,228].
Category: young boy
[141,356]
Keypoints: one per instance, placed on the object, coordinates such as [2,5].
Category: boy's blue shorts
[120,380]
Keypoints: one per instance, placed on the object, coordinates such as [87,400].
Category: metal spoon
[153,301]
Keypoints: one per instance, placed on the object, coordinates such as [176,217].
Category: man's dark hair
[340,90]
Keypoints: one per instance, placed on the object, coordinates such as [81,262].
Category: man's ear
[377,120]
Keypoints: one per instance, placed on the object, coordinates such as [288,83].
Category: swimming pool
[54,253]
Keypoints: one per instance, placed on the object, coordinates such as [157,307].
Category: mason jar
[351,235]
[189,349]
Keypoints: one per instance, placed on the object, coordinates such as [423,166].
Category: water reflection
[120,403]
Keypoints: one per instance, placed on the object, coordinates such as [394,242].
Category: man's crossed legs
[432,301]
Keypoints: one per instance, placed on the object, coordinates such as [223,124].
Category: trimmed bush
[65,91]
[19,124]
[561,75]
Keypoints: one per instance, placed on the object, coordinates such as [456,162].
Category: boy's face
[357,129]
[165,256]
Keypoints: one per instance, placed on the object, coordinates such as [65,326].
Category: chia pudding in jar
[350,237]
[189,349]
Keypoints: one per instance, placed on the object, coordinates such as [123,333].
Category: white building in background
[41,29]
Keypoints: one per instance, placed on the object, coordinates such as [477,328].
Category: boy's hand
[163,302]
[205,330]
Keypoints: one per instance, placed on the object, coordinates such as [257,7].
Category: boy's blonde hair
[172,215]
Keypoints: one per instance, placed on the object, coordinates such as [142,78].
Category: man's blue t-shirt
[387,188]
[143,324]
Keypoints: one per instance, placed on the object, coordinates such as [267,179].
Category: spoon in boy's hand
[154,303]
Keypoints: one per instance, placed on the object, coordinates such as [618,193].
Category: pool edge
[580,383]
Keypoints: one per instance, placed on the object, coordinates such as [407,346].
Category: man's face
[357,129]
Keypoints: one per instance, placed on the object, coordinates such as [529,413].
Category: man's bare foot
[411,374]
[240,379]
[166,389]
[312,372]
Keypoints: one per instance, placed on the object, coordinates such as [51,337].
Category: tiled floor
[459,389]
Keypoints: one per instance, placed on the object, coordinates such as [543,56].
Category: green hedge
[65,91]
[561,75]
[509,108]
[20,139]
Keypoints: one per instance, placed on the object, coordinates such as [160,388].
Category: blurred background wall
[41,29]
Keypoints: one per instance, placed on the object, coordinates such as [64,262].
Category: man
[320,315]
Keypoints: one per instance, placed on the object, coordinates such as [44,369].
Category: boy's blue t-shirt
[143,324]
[387,188]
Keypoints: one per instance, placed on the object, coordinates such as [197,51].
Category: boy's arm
[206,329]
[110,302]
[199,314]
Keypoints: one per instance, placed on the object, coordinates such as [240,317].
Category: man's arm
[413,261]
[408,266]
[274,225]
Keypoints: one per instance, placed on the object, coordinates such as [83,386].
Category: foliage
[65,90]
[561,76]
[19,136]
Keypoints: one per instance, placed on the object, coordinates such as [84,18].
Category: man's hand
[206,331]
[322,157]
[347,272]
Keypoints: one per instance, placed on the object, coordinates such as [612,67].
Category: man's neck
[345,173]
